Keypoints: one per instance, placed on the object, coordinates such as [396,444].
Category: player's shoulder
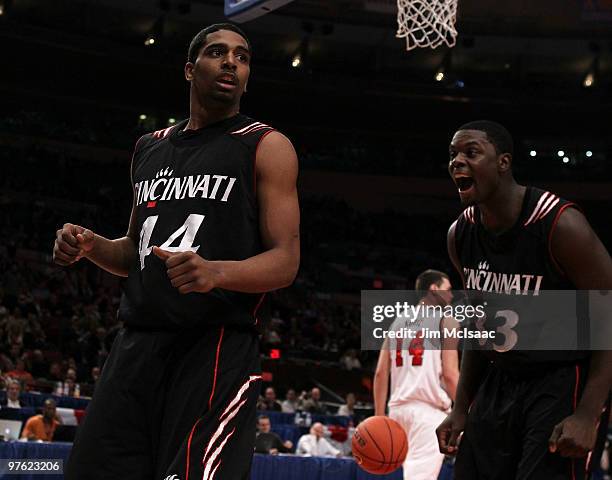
[152,138]
[246,127]
[468,215]
[544,208]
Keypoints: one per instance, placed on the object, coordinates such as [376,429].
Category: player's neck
[201,115]
[500,212]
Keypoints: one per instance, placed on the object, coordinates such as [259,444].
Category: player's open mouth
[464,183]
[227,80]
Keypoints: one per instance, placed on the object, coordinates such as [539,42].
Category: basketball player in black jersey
[527,414]
[214,225]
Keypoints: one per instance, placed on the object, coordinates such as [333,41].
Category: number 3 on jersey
[189,229]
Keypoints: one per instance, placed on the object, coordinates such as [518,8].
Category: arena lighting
[589,153]
[296,61]
[444,67]
[171,121]
[142,116]
[156,33]
[565,160]
[589,80]
[560,153]
[1,8]
[533,153]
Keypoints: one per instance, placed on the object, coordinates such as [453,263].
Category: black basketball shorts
[177,406]
[510,423]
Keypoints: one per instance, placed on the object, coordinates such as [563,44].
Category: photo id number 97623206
[22,466]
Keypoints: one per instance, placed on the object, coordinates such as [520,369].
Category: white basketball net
[427,23]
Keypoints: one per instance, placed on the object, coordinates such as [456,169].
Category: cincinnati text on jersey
[179,188]
[506,283]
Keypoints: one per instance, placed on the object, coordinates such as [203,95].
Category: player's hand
[72,243]
[288,444]
[449,432]
[188,271]
[273,451]
[574,436]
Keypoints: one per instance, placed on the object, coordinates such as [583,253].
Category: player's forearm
[270,270]
[381,390]
[473,367]
[597,388]
[451,380]
[114,256]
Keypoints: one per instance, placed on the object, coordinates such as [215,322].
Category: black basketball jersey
[194,190]
[516,262]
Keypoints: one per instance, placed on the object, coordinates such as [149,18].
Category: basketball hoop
[427,23]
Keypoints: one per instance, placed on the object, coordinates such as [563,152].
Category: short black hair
[497,134]
[200,39]
[428,278]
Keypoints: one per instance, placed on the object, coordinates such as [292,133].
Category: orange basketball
[379,445]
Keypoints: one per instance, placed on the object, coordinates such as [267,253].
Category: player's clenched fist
[188,271]
[449,432]
[72,243]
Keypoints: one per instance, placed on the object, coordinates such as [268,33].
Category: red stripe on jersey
[538,208]
[547,210]
[550,235]
[189,447]
[257,307]
[216,368]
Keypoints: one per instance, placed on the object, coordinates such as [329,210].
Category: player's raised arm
[74,242]
[589,267]
[381,380]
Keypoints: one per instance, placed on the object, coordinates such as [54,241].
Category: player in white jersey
[424,374]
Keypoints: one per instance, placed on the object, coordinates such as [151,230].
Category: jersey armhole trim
[255,158]
[550,235]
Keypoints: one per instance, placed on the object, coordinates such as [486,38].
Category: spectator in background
[39,367]
[55,372]
[69,387]
[269,401]
[348,409]
[13,390]
[267,441]
[42,427]
[313,404]
[314,444]
[95,374]
[20,373]
[290,404]
[350,360]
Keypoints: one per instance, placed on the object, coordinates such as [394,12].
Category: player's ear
[189,71]
[504,162]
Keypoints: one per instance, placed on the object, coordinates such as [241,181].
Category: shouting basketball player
[423,379]
[214,226]
[528,414]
